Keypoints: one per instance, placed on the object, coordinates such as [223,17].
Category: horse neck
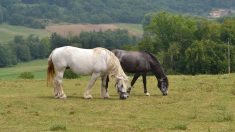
[157,68]
[159,74]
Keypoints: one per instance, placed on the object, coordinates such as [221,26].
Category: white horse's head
[121,85]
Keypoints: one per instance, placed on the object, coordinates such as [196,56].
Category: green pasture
[195,103]
[8,32]
[36,67]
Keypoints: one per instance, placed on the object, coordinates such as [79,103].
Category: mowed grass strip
[194,103]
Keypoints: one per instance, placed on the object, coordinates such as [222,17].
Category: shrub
[58,127]
[26,75]
[70,75]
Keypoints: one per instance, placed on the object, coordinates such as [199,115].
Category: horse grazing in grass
[140,63]
[97,62]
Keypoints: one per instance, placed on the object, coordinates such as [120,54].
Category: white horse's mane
[114,66]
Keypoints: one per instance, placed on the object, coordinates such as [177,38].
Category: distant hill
[38,13]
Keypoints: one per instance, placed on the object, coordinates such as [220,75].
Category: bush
[70,75]
[26,75]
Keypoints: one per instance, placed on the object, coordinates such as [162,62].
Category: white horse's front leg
[104,92]
[87,94]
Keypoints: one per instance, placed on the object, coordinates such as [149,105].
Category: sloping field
[8,32]
[76,29]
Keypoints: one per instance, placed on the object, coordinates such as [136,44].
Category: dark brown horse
[140,63]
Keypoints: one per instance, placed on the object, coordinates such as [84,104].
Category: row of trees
[183,44]
[189,45]
[25,49]
[108,39]
[37,13]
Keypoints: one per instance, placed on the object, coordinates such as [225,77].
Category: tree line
[189,45]
[38,13]
[183,44]
[26,49]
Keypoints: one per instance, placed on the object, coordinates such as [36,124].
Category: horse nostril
[123,96]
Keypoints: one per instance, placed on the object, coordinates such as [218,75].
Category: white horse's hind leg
[104,92]
[87,94]
[58,89]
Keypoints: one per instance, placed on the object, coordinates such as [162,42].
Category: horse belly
[82,66]
[88,65]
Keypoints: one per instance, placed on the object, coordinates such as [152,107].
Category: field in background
[7,32]
[194,103]
[76,29]
[37,67]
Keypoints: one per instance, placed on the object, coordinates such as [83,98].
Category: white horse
[97,62]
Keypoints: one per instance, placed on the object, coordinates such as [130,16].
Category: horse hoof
[60,96]
[63,97]
[88,97]
[106,97]
[147,94]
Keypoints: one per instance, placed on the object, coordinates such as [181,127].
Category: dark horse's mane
[157,62]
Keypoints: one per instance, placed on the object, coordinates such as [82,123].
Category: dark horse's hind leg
[107,83]
[136,76]
[145,82]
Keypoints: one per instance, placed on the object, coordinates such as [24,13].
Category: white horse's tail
[50,70]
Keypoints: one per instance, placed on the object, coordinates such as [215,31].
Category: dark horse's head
[159,73]
[163,85]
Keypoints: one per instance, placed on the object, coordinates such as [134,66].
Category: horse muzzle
[165,93]
[123,95]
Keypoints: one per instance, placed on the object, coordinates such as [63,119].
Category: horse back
[133,61]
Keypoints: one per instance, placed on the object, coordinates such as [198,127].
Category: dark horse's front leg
[145,82]
[107,84]
[136,76]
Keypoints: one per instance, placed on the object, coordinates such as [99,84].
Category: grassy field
[7,32]
[195,103]
[37,67]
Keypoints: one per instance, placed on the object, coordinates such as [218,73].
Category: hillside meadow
[194,103]
[8,32]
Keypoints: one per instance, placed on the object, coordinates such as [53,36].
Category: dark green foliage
[58,127]
[26,75]
[107,39]
[7,56]
[189,45]
[30,48]
[70,75]
[37,13]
